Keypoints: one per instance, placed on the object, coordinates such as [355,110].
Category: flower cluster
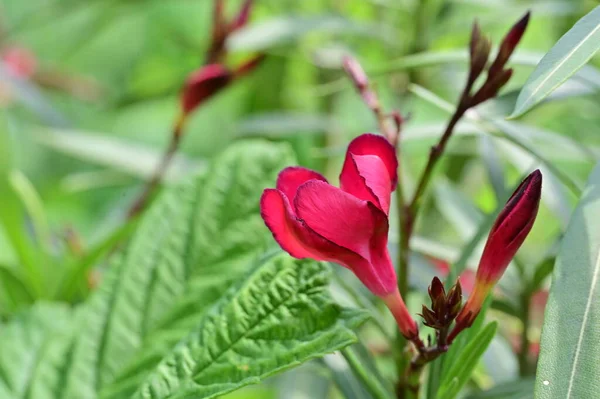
[311,218]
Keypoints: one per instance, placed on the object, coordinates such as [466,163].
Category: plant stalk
[523,355]
[151,185]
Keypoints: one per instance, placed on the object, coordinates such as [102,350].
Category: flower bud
[203,84]
[512,38]
[491,87]
[508,233]
[479,50]
[361,82]
[243,15]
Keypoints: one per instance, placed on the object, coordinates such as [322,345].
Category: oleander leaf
[568,55]
[568,366]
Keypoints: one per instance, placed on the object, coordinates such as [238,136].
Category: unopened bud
[479,51]
[243,16]
[491,87]
[508,233]
[509,43]
[202,85]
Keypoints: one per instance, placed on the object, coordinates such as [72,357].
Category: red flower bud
[203,84]
[479,50]
[508,233]
[361,82]
[512,38]
[243,15]
[222,28]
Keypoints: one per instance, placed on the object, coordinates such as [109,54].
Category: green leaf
[463,367]
[520,389]
[285,29]
[360,361]
[203,230]
[568,366]
[114,152]
[543,270]
[14,292]
[23,342]
[284,124]
[568,55]
[278,317]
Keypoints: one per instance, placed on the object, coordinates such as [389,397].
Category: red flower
[310,218]
[507,234]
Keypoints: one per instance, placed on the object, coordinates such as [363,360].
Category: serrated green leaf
[206,227]
[461,370]
[23,342]
[568,55]
[568,366]
[278,317]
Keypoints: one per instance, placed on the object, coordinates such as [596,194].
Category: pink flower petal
[370,170]
[351,223]
[376,181]
[293,177]
[292,235]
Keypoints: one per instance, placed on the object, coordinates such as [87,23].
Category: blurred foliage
[77,143]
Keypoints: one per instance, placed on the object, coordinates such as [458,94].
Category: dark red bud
[479,50]
[243,16]
[509,43]
[455,294]
[475,37]
[436,289]
[491,87]
[203,84]
[429,317]
[510,229]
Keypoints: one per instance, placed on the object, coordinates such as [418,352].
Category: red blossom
[310,218]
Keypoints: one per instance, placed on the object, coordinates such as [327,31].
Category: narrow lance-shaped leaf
[568,367]
[463,367]
[568,55]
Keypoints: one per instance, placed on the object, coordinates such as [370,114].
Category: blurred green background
[79,138]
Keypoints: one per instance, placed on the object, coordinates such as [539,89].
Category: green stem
[523,356]
[364,303]
[142,201]
[371,383]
